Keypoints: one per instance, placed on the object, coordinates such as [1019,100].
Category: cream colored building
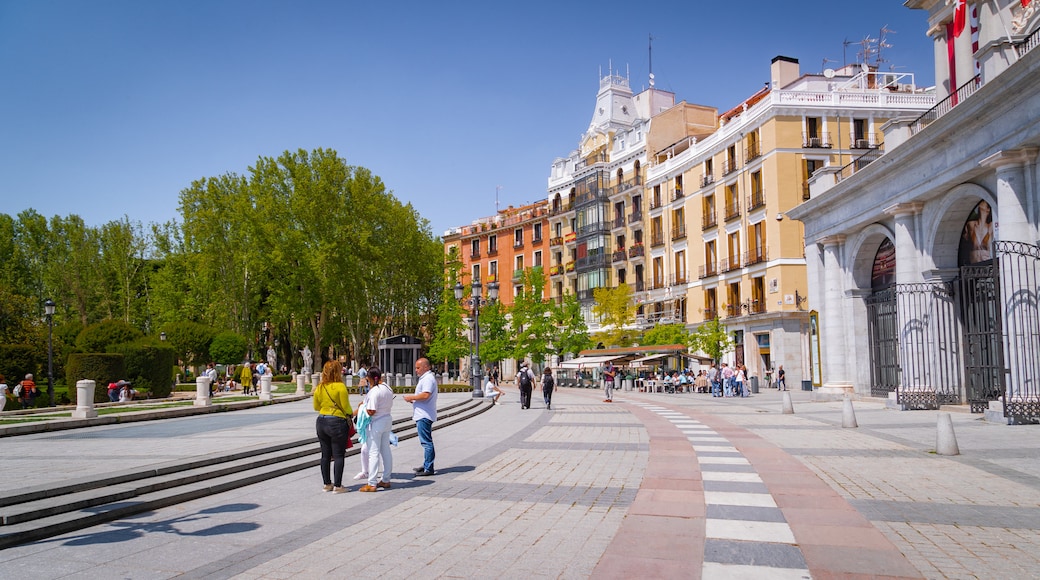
[741,259]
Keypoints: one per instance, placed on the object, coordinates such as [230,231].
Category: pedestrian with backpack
[525,380]
[548,385]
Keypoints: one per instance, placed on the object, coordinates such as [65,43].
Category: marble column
[1019,268]
[911,302]
[834,351]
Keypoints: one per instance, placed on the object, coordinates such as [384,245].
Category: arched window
[883,273]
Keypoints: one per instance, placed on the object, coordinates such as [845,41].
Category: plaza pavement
[650,486]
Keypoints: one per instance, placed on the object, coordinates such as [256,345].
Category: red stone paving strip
[835,539]
[662,535]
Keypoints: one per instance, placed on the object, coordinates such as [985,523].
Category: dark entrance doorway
[883,323]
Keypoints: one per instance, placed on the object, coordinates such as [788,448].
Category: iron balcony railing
[556,241]
[815,141]
[635,217]
[561,208]
[860,162]
[678,231]
[733,310]
[756,255]
[867,141]
[707,270]
[517,244]
[493,251]
[710,314]
[709,220]
[619,221]
[635,251]
[677,280]
[756,200]
[732,210]
[707,179]
[619,255]
[728,265]
[946,105]
[752,152]
[474,255]
[640,285]
[677,193]
[729,166]
[556,270]
[656,239]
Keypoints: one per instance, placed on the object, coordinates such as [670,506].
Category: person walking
[525,380]
[608,382]
[548,385]
[26,392]
[378,403]
[424,413]
[781,379]
[333,406]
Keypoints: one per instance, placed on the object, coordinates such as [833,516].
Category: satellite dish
[828,72]
[651,79]
[863,67]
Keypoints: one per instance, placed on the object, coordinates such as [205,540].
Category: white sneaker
[361,475]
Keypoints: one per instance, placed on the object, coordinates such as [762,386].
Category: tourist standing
[609,372]
[3,392]
[781,379]
[333,406]
[424,413]
[378,403]
[713,378]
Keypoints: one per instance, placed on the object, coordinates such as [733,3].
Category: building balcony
[657,284]
[561,208]
[655,203]
[710,314]
[619,255]
[636,251]
[707,179]
[474,255]
[709,220]
[556,270]
[679,232]
[592,261]
[729,166]
[707,270]
[752,152]
[866,141]
[755,256]
[732,210]
[570,267]
[619,221]
[517,275]
[756,200]
[635,217]
[492,251]
[656,239]
[733,310]
[678,280]
[753,306]
[518,244]
[640,285]
[728,265]
[557,241]
[677,193]
[815,141]
[536,241]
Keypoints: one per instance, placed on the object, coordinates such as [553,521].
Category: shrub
[148,366]
[101,367]
[228,347]
[16,360]
[98,337]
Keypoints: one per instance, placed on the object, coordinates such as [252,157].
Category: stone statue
[272,358]
[307,360]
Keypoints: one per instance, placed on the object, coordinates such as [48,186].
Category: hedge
[17,360]
[101,367]
[147,367]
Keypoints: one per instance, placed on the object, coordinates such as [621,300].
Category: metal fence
[929,341]
[1018,275]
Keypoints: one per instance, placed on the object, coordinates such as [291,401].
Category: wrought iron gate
[980,321]
[1018,274]
[883,337]
[929,345]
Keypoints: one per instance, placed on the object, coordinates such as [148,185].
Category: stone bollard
[84,400]
[788,405]
[265,387]
[945,440]
[315,379]
[445,378]
[202,398]
[300,387]
[408,380]
[848,414]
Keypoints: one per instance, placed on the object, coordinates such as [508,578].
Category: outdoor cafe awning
[587,361]
[642,362]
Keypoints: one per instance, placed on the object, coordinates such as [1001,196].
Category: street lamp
[475,301]
[162,336]
[48,308]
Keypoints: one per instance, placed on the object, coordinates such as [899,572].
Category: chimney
[783,71]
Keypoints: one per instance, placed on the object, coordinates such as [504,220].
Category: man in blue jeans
[424,413]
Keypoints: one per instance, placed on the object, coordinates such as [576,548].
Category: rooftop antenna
[883,43]
[844,52]
[650,54]
[825,61]
[497,189]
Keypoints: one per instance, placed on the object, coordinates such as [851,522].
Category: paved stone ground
[653,485]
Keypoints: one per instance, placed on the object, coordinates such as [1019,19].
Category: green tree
[124,251]
[228,347]
[531,319]
[711,338]
[496,341]
[571,333]
[616,311]
[99,336]
[190,341]
[666,334]
[449,334]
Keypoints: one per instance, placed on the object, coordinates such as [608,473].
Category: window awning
[585,361]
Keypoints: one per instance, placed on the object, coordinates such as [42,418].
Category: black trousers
[525,397]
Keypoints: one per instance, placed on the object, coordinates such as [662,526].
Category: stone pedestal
[202,398]
[315,379]
[300,385]
[265,387]
[84,400]
[832,392]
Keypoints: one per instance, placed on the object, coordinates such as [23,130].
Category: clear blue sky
[111,108]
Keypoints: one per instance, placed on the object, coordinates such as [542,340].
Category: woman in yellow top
[333,407]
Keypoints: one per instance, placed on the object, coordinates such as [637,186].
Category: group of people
[120,392]
[25,392]
[727,381]
[526,379]
[373,423]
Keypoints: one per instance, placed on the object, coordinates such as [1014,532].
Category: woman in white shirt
[379,401]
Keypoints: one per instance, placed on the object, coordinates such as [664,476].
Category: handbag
[351,430]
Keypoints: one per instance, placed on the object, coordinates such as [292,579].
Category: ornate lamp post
[475,301]
[48,308]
